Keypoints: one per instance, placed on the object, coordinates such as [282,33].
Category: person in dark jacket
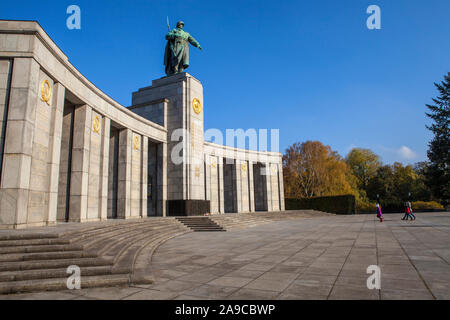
[407,212]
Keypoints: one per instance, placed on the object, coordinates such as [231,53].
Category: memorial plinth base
[178,208]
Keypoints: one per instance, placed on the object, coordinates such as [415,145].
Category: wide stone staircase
[200,224]
[248,220]
[108,254]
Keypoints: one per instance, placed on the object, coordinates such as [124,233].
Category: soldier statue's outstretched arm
[194,42]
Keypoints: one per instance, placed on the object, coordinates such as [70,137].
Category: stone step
[40,248]
[53,264]
[45,256]
[204,226]
[143,256]
[32,242]
[192,218]
[118,246]
[61,283]
[200,224]
[104,243]
[88,242]
[240,221]
[27,236]
[52,273]
[125,258]
[80,235]
[99,252]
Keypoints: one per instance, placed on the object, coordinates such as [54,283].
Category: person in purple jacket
[379,212]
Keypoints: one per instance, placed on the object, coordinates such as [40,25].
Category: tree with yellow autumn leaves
[312,170]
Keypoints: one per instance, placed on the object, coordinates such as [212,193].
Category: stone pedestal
[184,122]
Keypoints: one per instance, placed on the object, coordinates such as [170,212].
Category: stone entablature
[214,149]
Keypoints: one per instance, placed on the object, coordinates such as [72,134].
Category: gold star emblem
[46,91]
[96,124]
[197,172]
[136,143]
[197,106]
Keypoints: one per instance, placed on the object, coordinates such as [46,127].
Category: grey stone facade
[69,152]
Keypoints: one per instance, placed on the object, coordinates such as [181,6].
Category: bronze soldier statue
[176,57]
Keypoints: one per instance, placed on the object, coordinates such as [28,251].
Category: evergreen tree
[438,173]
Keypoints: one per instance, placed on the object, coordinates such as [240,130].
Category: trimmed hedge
[417,206]
[332,204]
[427,205]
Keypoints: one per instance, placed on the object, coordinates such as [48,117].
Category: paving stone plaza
[324,257]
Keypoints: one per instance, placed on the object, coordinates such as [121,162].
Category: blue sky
[309,68]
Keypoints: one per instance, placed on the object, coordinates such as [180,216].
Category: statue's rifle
[170,41]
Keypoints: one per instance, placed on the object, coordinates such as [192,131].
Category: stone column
[274,186]
[212,168]
[268,173]
[56,123]
[162,179]
[144,176]
[251,196]
[124,187]
[16,171]
[244,186]
[136,175]
[281,184]
[221,185]
[79,181]
[207,172]
[104,169]
[237,176]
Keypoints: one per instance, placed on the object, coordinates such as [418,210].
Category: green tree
[382,185]
[404,182]
[397,183]
[364,165]
[421,192]
[438,172]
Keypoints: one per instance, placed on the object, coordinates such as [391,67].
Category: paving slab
[107,293]
[152,295]
[211,291]
[252,294]
[236,282]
